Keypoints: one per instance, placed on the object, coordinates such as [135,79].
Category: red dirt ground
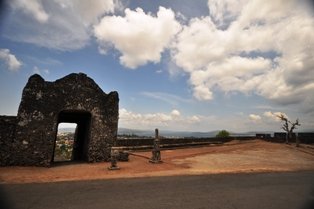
[233,157]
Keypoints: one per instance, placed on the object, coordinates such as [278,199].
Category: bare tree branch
[293,125]
[285,125]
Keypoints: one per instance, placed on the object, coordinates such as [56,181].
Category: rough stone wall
[38,115]
[7,131]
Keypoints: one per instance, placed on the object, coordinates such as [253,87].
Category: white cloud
[175,113]
[139,37]
[201,92]
[262,48]
[232,74]
[274,115]
[173,120]
[33,8]
[62,25]
[194,119]
[178,121]
[87,12]
[10,60]
[224,12]
[254,117]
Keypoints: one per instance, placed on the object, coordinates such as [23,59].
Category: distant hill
[168,133]
[151,133]
[65,130]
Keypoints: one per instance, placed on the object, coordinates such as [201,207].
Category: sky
[177,64]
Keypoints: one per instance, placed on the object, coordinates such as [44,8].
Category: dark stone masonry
[29,138]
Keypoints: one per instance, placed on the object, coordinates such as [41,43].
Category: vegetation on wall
[64,147]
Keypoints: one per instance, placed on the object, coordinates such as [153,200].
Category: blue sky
[177,65]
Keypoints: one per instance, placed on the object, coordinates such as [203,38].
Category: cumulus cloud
[10,60]
[274,115]
[250,47]
[139,37]
[202,92]
[175,113]
[173,119]
[231,74]
[224,12]
[178,121]
[254,117]
[56,24]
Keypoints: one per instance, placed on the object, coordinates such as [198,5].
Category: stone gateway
[29,138]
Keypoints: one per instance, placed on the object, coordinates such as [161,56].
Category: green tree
[223,134]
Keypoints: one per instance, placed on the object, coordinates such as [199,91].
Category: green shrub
[223,134]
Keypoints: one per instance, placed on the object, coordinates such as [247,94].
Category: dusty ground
[233,157]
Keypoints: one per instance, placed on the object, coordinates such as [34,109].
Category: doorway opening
[64,142]
[72,138]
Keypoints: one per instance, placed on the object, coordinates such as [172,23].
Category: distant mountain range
[65,130]
[166,133]
[169,133]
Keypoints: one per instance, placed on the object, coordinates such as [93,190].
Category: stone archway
[74,98]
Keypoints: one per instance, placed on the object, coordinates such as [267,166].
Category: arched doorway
[81,134]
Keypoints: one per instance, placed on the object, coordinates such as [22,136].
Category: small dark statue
[113,159]
[156,157]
